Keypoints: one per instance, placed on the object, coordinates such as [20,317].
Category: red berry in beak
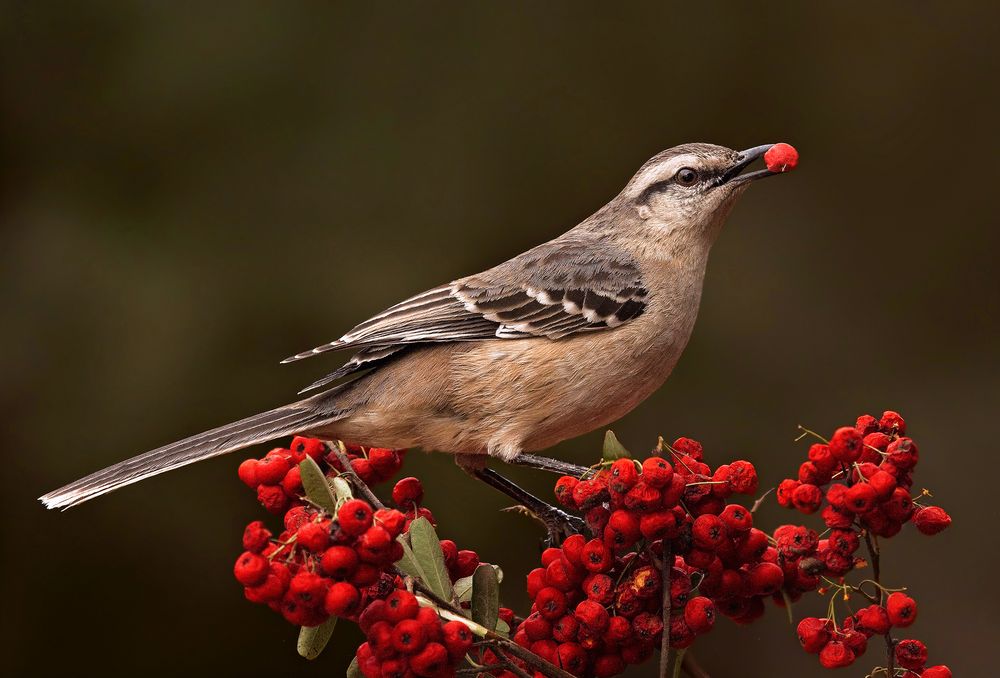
[781,158]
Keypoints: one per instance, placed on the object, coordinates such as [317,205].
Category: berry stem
[678,663]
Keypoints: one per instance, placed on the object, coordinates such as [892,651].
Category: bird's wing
[554,290]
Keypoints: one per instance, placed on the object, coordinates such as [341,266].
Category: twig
[360,485]
[666,565]
[511,666]
[873,555]
[692,667]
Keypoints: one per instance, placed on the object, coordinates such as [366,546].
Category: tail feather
[259,428]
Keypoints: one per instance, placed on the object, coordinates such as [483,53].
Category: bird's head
[686,192]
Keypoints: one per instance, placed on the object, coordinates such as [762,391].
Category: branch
[873,555]
[666,565]
[360,485]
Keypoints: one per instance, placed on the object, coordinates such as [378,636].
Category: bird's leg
[551,465]
[558,523]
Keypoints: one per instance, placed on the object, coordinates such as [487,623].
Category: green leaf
[312,639]
[614,449]
[463,587]
[316,486]
[354,671]
[430,558]
[485,596]
[503,628]
[408,563]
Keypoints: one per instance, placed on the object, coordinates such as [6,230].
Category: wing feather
[554,290]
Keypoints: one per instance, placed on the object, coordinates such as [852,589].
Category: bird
[558,341]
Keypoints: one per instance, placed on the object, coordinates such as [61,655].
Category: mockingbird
[556,342]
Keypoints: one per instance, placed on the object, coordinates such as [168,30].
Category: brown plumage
[556,342]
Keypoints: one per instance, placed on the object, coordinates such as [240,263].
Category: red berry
[385,462]
[466,562]
[400,605]
[536,582]
[271,469]
[564,491]
[872,620]
[409,636]
[860,498]
[786,492]
[742,477]
[599,588]
[624,476]
[339,562]
[309,589]
[836,654]
[571,657]
[272,498]
[619,629]
[781,157]
[691,448]
[902,453]
[596,556]
[390,519]
[341,600]
[256,537]
[643,497]
[292,482]
[646,626]
[846,444]
[457,639]
[537,627]
[708,532]
[251,569]
[430,661]
[699,615]
[891,422]
[940,671]
[657,471]
[622,530]
[901,608]
[551,603]
[313,536]
[931,520]
[813,634]
[736,518]
[765,579]
[408,492]
[592,616]
[565,629]
[807,498]
[866,424]
[355,517]
[911,654]
[844,542]
[248,473]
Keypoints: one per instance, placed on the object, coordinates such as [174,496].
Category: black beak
[733,175]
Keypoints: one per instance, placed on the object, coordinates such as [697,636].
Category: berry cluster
[342,564]
[598,603]
[276,477]
[860,481]
[322,565]
[404,639]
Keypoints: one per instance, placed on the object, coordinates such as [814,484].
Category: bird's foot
[558,524]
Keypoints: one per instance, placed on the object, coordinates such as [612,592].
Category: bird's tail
[295,418]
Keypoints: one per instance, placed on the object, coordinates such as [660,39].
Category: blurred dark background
[190,192]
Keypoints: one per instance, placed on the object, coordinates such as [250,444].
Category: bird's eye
[686,176]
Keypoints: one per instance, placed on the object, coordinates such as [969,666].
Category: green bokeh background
[191,191]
